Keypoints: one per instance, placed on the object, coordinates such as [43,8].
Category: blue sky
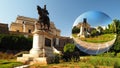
[62,12]
[94,19]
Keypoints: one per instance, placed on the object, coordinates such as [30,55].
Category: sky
[62,12]
[94,19]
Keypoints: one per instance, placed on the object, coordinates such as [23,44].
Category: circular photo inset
[94,32]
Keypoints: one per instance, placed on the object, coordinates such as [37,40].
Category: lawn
[106,60]
[9,63]
[98,39]
[85,62]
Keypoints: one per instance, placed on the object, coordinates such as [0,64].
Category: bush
[57,58]
[94,33]
[70,53]
[6,56]
[117,64]
[13,42]
[75,30]
[69,47]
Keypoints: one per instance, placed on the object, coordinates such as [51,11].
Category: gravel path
[93,48]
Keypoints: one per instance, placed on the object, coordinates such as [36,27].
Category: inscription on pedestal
[47,42]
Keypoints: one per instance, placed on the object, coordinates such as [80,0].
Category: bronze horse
[43,17]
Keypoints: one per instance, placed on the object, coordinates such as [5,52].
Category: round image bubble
[94,32]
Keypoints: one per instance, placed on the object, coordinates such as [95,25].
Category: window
[29,31]
[17,31]
[47,42]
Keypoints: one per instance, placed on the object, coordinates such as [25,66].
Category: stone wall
[4,28]
[62,42]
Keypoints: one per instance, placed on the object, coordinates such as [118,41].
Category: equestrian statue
[43,18]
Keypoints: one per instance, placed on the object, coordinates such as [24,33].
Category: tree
[94,33]
[75,30]
[69,48]
[100,29]
[112,27]
[116,45]
[70,53]
[117,24]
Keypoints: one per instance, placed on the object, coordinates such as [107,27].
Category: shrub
[69,47]
[14,42]
[75,30]
[57,58]
[117,64]
[94,33]
[70,53]
[6,56]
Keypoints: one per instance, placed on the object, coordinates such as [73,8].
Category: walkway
[93,48]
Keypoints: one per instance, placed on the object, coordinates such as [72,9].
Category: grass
[9,63]
[98,39]
[105,60]
[74,35]
[86,62]
[65,65]
[8,60]
[102,61]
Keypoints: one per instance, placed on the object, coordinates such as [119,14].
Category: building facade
[27,25]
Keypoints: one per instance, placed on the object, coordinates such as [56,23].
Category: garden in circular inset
[94,32]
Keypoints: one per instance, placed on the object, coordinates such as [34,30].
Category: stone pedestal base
[81,36]
[27,59]
[39,53]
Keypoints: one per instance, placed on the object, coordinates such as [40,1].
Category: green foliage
[9,64]
[74,35]
[75,30]
[70,53]
[109,54]
[117,64]
[13,42]
[6,56]
[100,29]
[94,33]
[64,65]
[112,27]
[100,39]
[101,61]
[116,45]
[69,47]
[117,24]
[57,58]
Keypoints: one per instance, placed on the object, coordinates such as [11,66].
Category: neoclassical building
[27,25]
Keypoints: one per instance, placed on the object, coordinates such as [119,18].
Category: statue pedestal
[82,33]
[39,53]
